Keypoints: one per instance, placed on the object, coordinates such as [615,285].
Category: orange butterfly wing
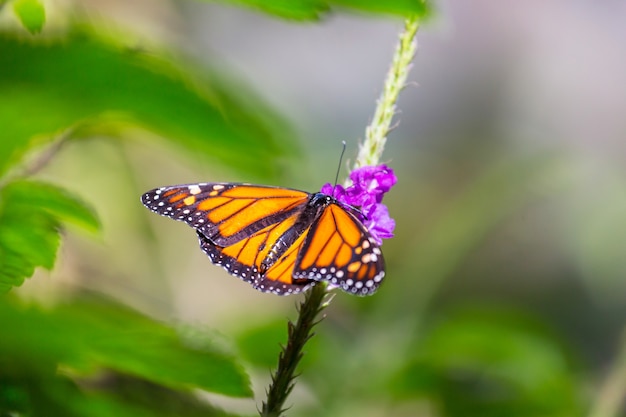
[244,259]
[226,213]
[279,277]
[340,250]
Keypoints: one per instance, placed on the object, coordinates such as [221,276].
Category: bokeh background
[505,292]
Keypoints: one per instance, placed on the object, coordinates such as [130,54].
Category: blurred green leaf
[31,214]
[421,8]
[261,345]
[87,336]
[296,9]
[313,9]
[53,200]
[491,362]
[152,399]
[45,392]
[31,13]
[82,85]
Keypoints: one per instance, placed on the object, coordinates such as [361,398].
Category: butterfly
[280,240]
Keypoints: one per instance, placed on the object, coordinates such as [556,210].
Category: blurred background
[505,293]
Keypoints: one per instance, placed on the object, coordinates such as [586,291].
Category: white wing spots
[194,189]
[369,257]
[216,189]
[280,288]
[359,287]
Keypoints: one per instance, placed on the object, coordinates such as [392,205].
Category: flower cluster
[369,185]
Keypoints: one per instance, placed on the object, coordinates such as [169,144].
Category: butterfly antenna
[343,150]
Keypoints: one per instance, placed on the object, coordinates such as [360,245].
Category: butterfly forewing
[340,250]
[226,213]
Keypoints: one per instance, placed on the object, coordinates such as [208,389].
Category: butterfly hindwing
[226,213]
[244,260]
[340,250]
[248,273]
[279,277]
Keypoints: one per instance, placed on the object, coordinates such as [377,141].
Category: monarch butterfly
[280,240]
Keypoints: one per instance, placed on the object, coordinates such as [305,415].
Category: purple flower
[369,185]
[380,178]
[336,191]
[378,222]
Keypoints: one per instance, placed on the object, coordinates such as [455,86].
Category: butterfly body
[280,240]
[310,212]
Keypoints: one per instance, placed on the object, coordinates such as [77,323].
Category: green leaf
[420,8]
[30,217]
[261,345]
[53,200]
[314,9]
[31,13]
[84,86]
[492,362]
[288,9]
[90,335]
[42,392]
[147,399]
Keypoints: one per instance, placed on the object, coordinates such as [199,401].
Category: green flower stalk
[317,298]
[376,133]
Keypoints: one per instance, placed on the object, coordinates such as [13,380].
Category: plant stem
[376,133]
[40,162]
[298,335]
[369,154]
